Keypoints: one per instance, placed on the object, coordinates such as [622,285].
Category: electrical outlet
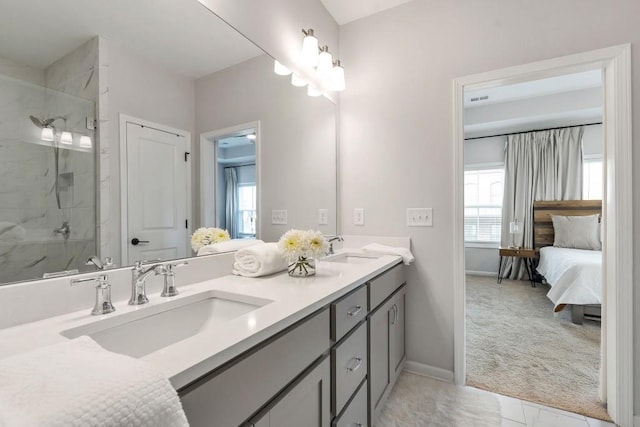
[358,216]
[323,216]
[420,217]
[279,217]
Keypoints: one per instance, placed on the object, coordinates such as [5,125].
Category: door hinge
[186,156]
[186,223]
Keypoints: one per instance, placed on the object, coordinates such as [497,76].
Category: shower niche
[47,167]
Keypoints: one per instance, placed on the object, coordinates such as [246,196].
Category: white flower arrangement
[302,244]
[206,236]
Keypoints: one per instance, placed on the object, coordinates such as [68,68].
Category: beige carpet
[418,401]
[516,346]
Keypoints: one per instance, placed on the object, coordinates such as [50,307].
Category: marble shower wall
[29,207]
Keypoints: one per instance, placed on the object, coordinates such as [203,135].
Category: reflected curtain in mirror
[231,195]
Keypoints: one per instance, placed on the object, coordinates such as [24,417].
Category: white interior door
[157,226]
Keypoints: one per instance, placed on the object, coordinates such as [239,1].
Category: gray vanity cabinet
[304,404]
[386,339]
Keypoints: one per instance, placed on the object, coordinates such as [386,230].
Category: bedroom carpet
[418,401]
[518,347]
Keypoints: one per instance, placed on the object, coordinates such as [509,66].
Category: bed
[575,275]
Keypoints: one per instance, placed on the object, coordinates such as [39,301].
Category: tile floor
[519,413]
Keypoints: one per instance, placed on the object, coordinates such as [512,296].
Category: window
[247,210]
[483,190]
[592,185]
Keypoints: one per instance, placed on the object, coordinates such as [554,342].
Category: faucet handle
[169,289]
[103,303]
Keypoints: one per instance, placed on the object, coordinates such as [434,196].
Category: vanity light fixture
[47,134]
[325,63]
[309,48]
[280,69]
[336,80]
[66,138]
[85,141]
[296,80]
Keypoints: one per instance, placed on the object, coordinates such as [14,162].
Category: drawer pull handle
[356,365]
[354,311]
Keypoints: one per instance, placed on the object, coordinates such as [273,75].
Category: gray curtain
[231,204]
[545,165]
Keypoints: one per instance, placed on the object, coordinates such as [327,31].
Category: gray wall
[396,114]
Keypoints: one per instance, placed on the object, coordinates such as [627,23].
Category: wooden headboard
[543,226]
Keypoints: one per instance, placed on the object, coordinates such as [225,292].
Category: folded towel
[78,383]
[259,260]
[228,246]
[11,232]
[377,248]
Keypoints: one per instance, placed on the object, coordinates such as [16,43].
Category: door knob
[135,241]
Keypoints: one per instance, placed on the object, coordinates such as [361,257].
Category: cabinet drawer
[349,367]
[227,397]
[348,312]
[382,286]
[355,414]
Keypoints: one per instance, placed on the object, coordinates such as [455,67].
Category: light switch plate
[323,216]
[420,217]
[358,216]
[279,217]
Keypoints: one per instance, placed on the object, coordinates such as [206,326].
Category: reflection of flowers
[300,247]
[206,236]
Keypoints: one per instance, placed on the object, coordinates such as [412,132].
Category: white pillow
[578,232]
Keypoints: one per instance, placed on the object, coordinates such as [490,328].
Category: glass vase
[302,267]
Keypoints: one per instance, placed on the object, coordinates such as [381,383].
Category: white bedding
[575,275]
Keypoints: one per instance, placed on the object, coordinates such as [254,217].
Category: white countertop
[186,360]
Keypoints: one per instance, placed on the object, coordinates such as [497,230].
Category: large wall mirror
[126,125]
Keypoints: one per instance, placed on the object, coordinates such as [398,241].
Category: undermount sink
[351,258]
[152,328]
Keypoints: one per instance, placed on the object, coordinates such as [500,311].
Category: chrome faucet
[330,241]
[139,275]
[99,264]
[103,303]
[169,289]
[64,230]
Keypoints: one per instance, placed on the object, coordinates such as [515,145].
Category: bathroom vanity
[269,351]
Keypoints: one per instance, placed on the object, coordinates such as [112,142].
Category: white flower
[206,236]
[300,243]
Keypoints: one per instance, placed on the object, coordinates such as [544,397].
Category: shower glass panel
[47,185]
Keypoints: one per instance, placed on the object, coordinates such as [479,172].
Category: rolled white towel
[228,246]
[259,260]
[78,383]
[377,248]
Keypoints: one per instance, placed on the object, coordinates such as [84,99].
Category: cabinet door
[306,404]
[396,334]
[379,373]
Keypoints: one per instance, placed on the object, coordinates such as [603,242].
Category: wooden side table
[527,253]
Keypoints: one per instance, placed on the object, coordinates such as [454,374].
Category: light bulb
[280,69]
[66,138]
[85,141]
[336,80]
[310,49]
[251,136]
[296,80]
[325,63]
[312,91]
[47,134]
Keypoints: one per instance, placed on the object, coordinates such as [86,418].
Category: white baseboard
[482,273]
[428,371]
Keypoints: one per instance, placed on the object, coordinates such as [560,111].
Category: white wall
[397,114]
[146,91]
[296,153]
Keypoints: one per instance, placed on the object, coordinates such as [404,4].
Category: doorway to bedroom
[533,190]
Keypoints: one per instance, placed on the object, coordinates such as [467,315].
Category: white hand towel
[377,248]
[259,260]
[78,383]
[228,246]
